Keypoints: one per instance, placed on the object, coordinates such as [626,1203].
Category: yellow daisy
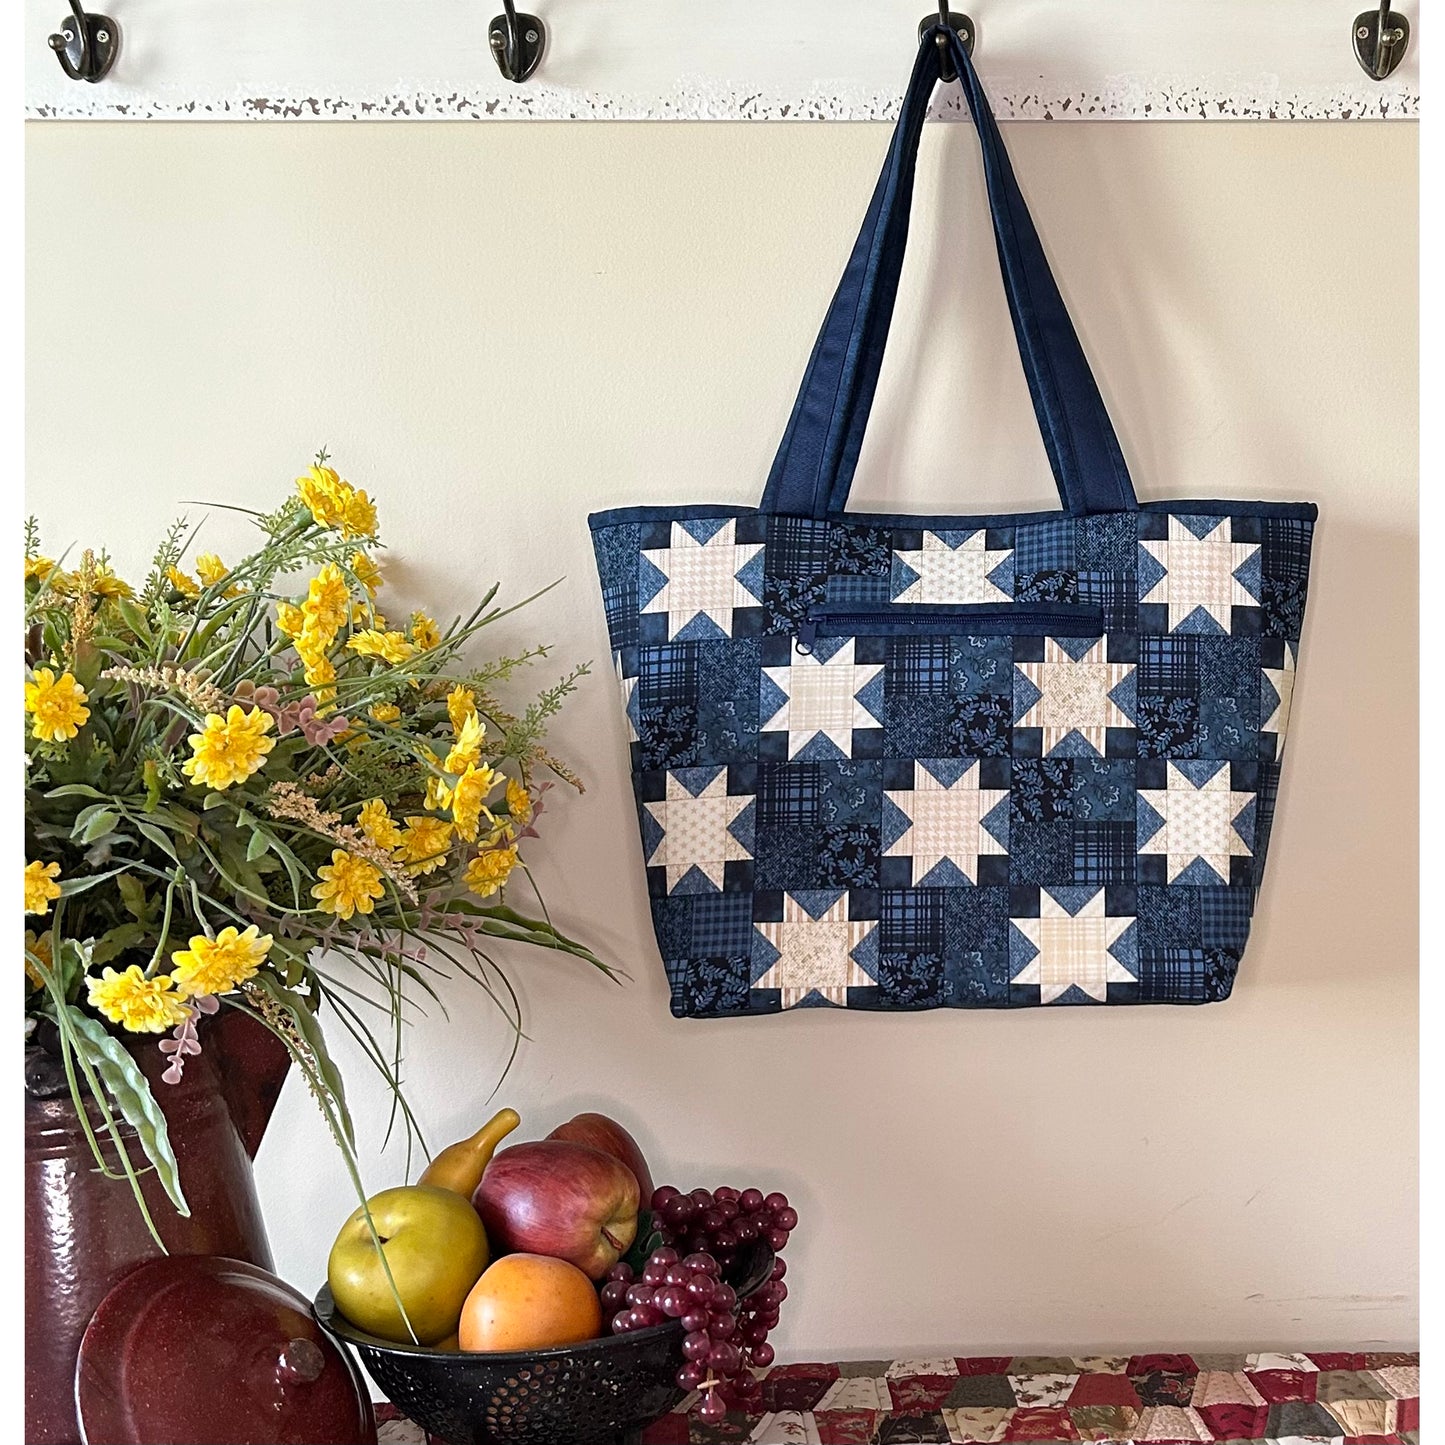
[142,1005]
[328,600]
[217,965]
[467,749]
[424,632]
[185,584]
[385,712]
[377,823]
[358,518]
[40,947]
[424,844]
[461,704]
[40,886]
[320,489]
[229,749]
[488,871]
[38,567]
[58,704]
[519,804]
[290,619]
[391,646]
[349,885]
[468,795]
[366,571]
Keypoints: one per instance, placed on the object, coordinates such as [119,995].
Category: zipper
[983,619]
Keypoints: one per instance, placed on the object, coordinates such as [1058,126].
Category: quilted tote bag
[904,762]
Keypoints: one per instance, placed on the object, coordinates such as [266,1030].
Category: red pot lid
[196,1350]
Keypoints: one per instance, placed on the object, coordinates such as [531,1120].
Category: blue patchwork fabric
[886,810]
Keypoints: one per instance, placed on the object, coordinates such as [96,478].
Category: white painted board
[734,60]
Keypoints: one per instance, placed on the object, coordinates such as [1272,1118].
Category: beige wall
[499,328]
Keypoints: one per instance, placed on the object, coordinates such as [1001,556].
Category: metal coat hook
[86,45]
[960,24]
[517,41]
[1381,40]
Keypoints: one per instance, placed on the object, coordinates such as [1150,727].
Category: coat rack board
[744,60]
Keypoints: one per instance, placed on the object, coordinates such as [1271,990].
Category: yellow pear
[459,1166]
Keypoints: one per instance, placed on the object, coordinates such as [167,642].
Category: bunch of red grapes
[703,1233]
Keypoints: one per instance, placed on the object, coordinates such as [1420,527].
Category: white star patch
[1073,949]
[1277,696]
[1200,574]
[701,580]
[1194,823]
[815,955]
[629,700]
[697,830]
[941,571]
[945,822]
[821,696]
[1063,696]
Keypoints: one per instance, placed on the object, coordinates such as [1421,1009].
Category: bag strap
[813,470]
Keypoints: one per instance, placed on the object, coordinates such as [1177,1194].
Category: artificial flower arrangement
[243,791]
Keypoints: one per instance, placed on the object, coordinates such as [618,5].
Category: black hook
[1381,40]
[86,45]
[517,41]
[945,20]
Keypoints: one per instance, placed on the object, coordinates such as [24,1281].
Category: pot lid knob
[301,1363]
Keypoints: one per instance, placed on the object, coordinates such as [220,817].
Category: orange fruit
[528,1302]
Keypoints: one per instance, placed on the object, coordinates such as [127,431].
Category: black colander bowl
[601,1392]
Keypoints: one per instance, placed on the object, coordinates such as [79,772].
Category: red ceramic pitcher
[84,1233]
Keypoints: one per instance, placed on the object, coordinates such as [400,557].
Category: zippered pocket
[982,619]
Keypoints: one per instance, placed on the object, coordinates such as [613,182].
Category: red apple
[611,1138]
[562,1199]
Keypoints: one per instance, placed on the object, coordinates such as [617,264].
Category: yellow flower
[186,585]
[391,646]
[488,871]
[210,569]
[377,823]
[328,600]
[438,794]
[40,886]
[290,619]
[320,489]
[424,631]
[58,704]
[40,947]
[348,885]
[358,515]
[229,749]
[519,804]
[319,675]
[461,704]
[385,712]
[220,964]
[143,1005]
[468,795]
[37,567]
[104,583]
[424,844]
[366,571]
[467,749]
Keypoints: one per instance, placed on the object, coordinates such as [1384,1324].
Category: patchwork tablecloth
[1340,1397]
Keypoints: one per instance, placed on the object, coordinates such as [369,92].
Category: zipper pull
[806,636]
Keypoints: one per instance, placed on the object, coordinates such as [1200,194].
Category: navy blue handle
[813,471]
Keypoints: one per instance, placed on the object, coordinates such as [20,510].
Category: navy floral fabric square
[888,763]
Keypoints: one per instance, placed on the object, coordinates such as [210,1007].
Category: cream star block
[702,578]
[1196,822]
[821,696]
[953,574]
[814,954]
[629,691]
[1200,572]
[945,822]
[697,830]
[1281,679]
[1073,949]
[1074,696]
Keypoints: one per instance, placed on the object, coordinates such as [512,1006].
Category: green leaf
[115,941]
[260,842]
[158,836]
[98,825]
[310,1031]
[77,790]
[213,800]
[135,619]
[133,895]
[132,1095]
[69,887]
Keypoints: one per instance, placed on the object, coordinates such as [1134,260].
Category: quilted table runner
[1337,1397]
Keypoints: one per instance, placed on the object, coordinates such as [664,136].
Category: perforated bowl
[598,1393]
